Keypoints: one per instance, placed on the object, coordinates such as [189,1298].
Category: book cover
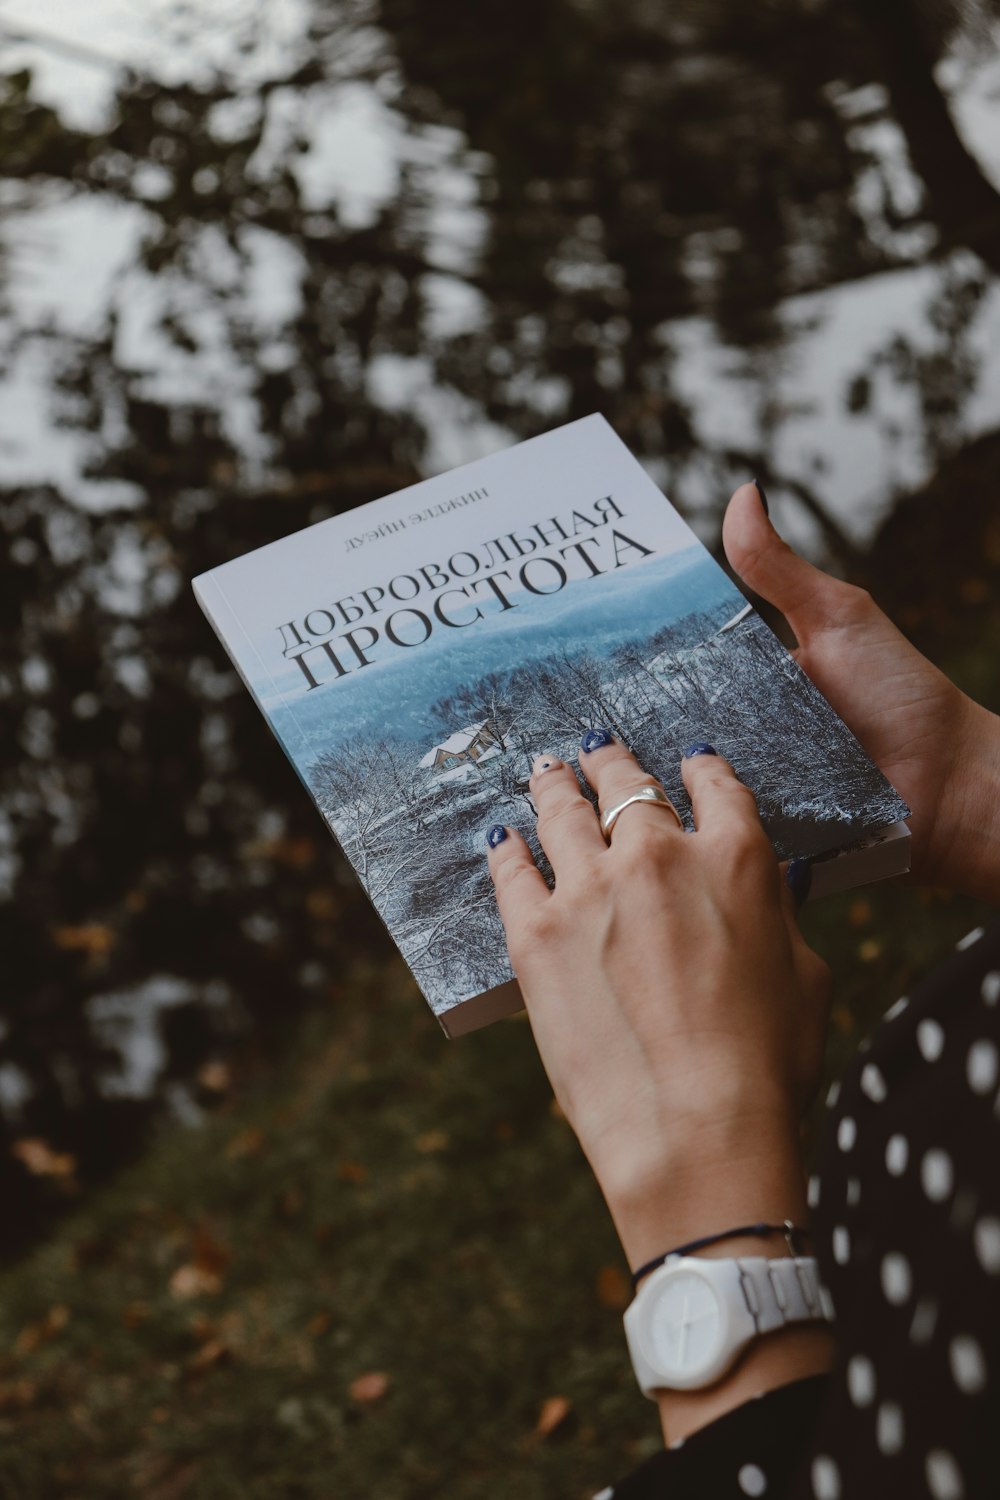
[414,655]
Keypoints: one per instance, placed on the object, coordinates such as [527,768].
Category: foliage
[625,170]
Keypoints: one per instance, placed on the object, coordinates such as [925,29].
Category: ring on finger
[651,794]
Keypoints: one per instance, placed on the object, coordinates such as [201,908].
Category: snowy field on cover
[447,737]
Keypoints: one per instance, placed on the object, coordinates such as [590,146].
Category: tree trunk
[961,198]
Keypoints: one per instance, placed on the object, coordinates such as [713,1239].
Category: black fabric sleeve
[755,1449]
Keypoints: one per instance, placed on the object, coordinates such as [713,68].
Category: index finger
[720,802]
[518,882]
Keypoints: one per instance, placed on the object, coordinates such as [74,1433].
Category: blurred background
[265,1232]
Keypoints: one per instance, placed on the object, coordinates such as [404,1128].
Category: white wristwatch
[692,1317]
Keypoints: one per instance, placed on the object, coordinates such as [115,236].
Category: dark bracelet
[793,1234]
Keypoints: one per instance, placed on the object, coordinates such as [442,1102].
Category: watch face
[685,1325]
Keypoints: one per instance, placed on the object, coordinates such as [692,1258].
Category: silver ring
[653,794]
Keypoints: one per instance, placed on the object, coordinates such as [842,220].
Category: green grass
[383,1201]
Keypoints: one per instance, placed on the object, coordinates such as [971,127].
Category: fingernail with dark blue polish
[763,498]
[700,747]
[798,878]
[596,739]
[496,835]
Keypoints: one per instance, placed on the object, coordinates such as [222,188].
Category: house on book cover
[466,747]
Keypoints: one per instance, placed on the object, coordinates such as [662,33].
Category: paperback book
[415,654]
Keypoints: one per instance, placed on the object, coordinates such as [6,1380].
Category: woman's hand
[678,1011]
[681,1019]
[940,750]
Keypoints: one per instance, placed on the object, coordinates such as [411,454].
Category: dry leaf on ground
[370,1387]
[555,1410]
[194,1281]
[613,1288]
[40,1159]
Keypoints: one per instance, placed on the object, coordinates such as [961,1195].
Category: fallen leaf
[89,937]
[209,1255]
[555,1410]
[212,1353]
[193,1281]
[294,853]
[370,1387]
[40,1159]
[859,913]
[613,1288]
[432,1140]
[215,1076]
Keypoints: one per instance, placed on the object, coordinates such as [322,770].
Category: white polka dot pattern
[937,1175]
[930,1039]
[752,1480]
[944,1477]
[872,1083]
[981,1066]
[861,1380]
[968,1364]
[924,1321]
[986,1239]
[825,1478]
[889,1428]
[897,1281]
[897,1154]
[905,1212]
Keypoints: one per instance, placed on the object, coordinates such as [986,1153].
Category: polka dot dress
[906,1221]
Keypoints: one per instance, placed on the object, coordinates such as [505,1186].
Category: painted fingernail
[496,835]
[700,747]
[798,878]
[545,763]
[763,498]
[596,739]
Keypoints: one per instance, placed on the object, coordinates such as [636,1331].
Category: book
[415,654]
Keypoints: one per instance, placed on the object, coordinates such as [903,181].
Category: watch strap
[782,1291]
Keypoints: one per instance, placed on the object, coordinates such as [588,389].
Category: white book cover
[415,654]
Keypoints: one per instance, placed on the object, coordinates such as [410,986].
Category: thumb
[769,567]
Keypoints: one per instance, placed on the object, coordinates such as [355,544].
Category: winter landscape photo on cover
[411,760]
